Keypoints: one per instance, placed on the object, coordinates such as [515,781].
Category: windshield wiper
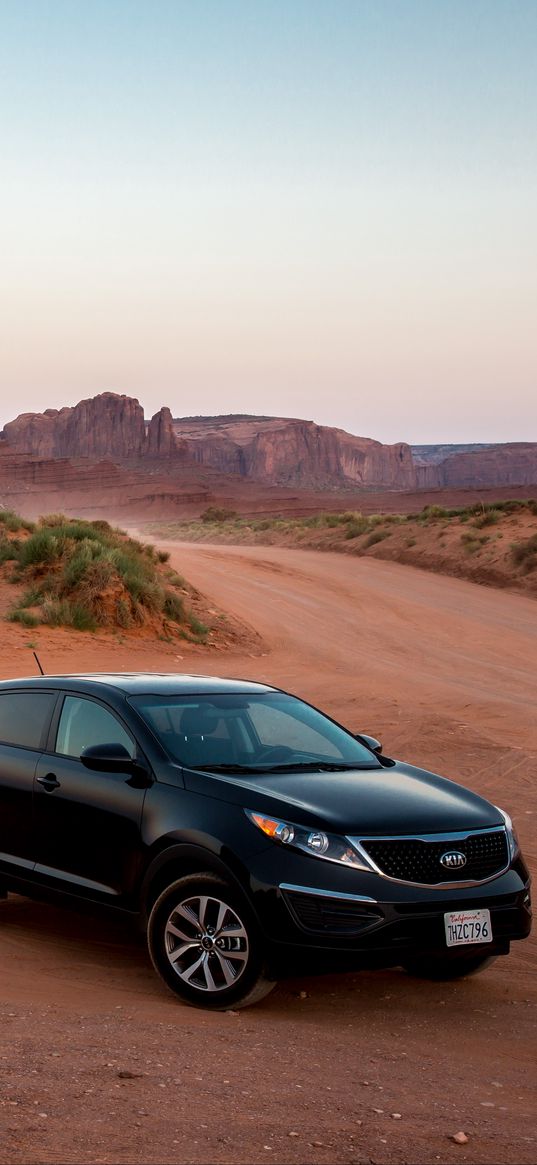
[310,765]
[313,766]
[225,769]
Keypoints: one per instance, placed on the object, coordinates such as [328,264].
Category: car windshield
[265,732]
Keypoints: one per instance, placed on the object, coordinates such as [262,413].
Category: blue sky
[314,209]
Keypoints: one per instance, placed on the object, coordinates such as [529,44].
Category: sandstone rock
[514,463]
[280,451]
[161,440]
[106,425]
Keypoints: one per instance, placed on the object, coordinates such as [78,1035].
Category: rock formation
[271,451]
[281,451]
[511,464]
[105,425]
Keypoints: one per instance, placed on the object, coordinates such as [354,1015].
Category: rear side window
[24,717]
[84,723]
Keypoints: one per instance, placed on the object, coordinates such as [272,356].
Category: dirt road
[99,1064]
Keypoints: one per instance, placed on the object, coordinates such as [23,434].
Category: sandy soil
[100,1064]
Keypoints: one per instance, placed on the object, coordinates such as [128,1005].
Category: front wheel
[448,968]
[204,944]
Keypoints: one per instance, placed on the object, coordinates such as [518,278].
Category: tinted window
[24,717]
[84,723]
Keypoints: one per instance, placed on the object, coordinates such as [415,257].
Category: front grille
[331,915]
[411,859]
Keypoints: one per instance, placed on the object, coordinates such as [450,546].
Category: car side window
[24,716]
[84,722]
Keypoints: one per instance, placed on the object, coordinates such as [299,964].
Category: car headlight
[512,839]
[314,842]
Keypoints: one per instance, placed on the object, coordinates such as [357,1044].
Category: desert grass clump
[13,522]
[87,575]
[524,554]
[376,536]
[357,527]
[487,518]
[218,514]
[432,513]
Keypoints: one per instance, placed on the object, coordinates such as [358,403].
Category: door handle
[49,782]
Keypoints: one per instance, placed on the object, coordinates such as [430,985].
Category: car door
[24,721]
[87,822]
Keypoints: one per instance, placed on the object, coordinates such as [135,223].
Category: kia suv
[252,835]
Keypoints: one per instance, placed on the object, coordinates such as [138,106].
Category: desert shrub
[19,615]
[472,543]
[13,522]
[177,580]
[217,514]
[31,597]
[523,553]
[432,513]
[173,607]
[357,527]
[86,574]
[487,518]
[63,613]
[40,548]
[78,563]
[376,536]
[8,550]
[199,629]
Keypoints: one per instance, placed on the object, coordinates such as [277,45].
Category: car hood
[400,799]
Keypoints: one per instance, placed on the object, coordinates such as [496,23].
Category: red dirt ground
[101,1064]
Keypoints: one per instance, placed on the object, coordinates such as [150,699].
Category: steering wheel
[279,754]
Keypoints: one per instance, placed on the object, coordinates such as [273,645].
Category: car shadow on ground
[108,951]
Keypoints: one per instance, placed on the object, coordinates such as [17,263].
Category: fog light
[318,842]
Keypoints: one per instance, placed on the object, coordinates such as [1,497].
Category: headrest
[200,721]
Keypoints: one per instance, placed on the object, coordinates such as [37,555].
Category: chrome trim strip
[460,836]
[358,845]
[327,893]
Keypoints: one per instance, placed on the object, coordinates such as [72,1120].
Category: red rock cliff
[292,452]
[105,425]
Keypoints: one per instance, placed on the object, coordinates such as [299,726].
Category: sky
[288,207]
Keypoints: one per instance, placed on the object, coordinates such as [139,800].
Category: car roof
[139,683]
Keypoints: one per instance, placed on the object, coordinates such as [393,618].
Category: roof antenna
[38,663]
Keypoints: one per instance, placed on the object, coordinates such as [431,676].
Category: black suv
[253,835]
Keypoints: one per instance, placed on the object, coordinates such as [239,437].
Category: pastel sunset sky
[316,208]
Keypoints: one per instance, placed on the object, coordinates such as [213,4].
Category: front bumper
[329,919]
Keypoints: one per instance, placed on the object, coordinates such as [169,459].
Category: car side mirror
[108,758]
[370,742]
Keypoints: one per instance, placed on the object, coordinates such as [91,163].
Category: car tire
[448,968]
[204,943]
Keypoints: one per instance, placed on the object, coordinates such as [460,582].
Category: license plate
[467,926]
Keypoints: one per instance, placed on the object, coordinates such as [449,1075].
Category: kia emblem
[453,860]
